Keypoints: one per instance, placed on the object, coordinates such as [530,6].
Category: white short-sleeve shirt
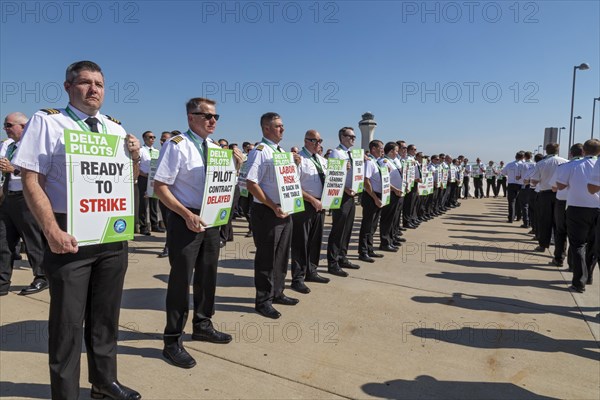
[341,152]
[42,149]
[576,176]
[181,167]
[595,175]
[261,170]
[309,174]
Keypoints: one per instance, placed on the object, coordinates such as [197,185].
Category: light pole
[583,67]
[593,115]
[574,118]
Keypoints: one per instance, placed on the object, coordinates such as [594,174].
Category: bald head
[18,117]
[14,124]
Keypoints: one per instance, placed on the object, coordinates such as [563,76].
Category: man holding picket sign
[86,213]
[273,180]
[307,232]
[195,179]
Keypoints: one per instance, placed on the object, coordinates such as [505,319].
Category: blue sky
[481,78]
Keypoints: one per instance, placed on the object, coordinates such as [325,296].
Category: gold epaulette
[116,121]
[50,111]
[177,139]
[260,147]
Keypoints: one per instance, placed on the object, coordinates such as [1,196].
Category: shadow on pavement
[495,337]
[492,279]
[427,387]
[504,305]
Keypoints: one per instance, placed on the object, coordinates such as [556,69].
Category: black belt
[15,193]
[545,191]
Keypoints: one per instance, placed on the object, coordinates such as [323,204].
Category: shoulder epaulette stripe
[116,121]
[177,139]
[50,111]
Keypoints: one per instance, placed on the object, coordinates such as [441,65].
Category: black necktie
[204,152]
[279,149]
[319,168]
[9,154]
[92,123]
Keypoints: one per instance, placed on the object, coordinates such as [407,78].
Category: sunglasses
[350,136]
[314,140]
[207,116]
[9,125]
[151,137]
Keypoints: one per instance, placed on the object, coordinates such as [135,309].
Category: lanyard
[314,160]
[271,146]
[393,163]
[84,127]
[196,141]
[11,151]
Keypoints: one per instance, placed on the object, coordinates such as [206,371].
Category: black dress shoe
[178,355]
[578,289]
[212,335]
[375,255]
[285,300]
[164,254]
[300,287]
[268,311]
[36,286]
[222,244]
[347,264]
[337,271]
[365,258]
[402,228]
[146,232]
[249,234]
[114,390]
[158,229]
[316,278]
[389,248]
[401,240]
[540,249]
[3,292]
[558,263]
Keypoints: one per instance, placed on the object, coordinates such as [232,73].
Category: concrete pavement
[465,310]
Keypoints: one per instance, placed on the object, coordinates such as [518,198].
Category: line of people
[559,200]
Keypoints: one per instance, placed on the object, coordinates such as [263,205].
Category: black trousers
[368,225]
[560,231]
[581,229]
[16,221]
[544,210]
[307,235]
[501,183]
[164,212]
[513,194]
[341,231]
[524,200]
[85,290]
[491,183]
[409,200]
[191,255]
[272,238]
[439,205]
[478,183]
[388,217]
[246,206]
[453,186]
[144,203]
[466,180]
[396,231]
